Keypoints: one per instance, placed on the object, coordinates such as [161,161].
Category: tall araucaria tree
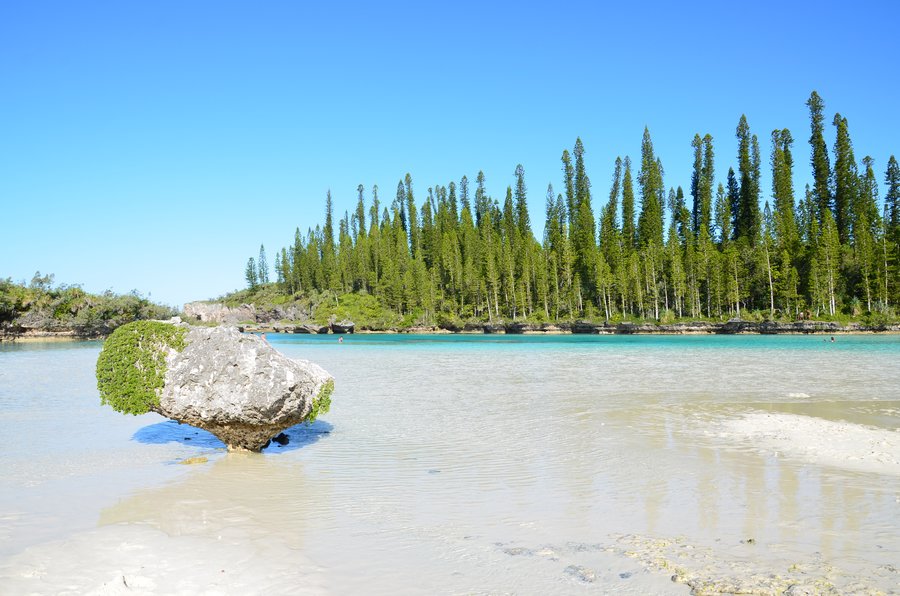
[819,158]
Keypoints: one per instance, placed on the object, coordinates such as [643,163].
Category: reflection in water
[240,498]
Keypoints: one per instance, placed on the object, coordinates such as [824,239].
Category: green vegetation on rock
[131,367]
[322,402]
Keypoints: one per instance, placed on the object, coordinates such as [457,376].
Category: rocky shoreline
[249,319]
[733,327]
[16,333]
[252,319]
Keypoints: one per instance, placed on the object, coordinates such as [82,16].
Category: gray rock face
[239,388]
[216,312]
[345,326]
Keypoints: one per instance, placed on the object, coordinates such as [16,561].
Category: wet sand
[816,441]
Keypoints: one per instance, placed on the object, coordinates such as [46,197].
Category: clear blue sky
[155,145]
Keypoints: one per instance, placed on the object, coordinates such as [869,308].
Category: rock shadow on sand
[170,431]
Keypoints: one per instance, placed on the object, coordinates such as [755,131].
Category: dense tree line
[730,250]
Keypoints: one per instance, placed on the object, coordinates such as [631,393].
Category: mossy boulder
[131,367]
[234,385]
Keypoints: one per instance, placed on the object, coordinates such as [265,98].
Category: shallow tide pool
[472,464]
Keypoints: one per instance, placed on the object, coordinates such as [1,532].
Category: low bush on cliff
[131,368]
[42,304]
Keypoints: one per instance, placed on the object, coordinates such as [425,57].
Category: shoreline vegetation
[40,311]
[349,314]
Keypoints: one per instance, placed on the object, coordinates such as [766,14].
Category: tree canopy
[735,251]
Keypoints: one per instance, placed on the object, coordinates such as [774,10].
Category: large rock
[345,326]
[216,312]
[311,328]
[240,388]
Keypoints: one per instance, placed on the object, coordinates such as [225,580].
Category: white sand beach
[816,441]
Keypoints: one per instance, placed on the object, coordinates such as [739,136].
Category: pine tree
[373,256]
[721,279]
[468,239]
[279,272]
[522,218]
[768,244]
[329,223]
[569,179]
[298,282]
[345,268]
[829,254]
[508,246]
[650,221]
[583,227]
[674,264]
[464,194]
[723,216]
[819,158]
[892,198]
[250,274]
[482,201]
[360,214]
[287,279]
[747,223]
[330,272]
[629,237]
[702,182]
[696,177]
[867,228]
[708,179]
[891,242]
[489,264]
[262,266]
[374,209]
[412,222]
[733,192]
[399,205]
[610,241]
[785,226]
[846,178]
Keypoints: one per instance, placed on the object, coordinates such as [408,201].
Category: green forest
[724,248]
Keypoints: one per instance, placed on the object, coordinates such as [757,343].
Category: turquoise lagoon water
[467,464]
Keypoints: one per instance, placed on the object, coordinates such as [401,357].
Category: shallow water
[459,464]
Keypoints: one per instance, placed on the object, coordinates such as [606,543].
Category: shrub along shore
[38,310]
